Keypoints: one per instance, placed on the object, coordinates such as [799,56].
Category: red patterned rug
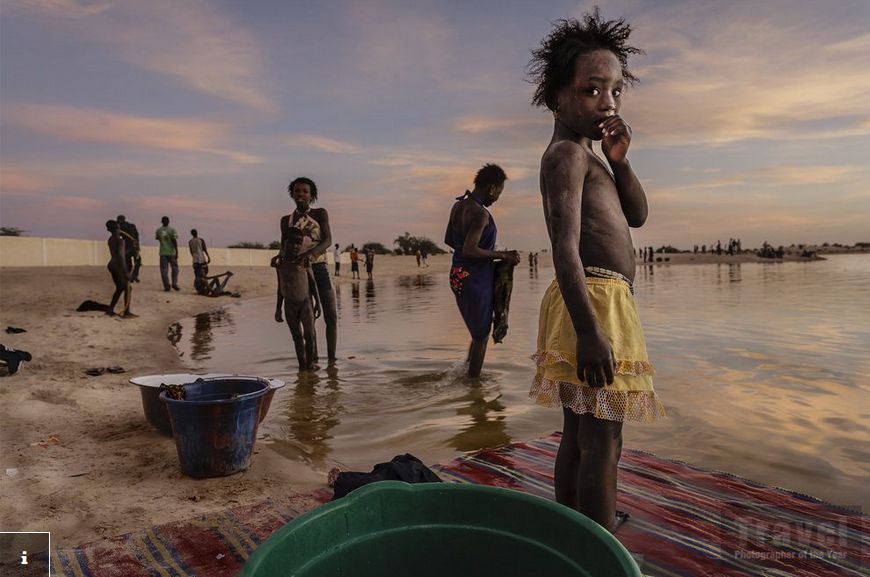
[684,521]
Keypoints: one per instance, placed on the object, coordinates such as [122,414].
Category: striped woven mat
[684,521]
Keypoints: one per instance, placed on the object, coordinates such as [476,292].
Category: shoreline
[78,457]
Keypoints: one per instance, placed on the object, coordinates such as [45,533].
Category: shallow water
[763,369]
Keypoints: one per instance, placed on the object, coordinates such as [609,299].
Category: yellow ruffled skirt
[631,397]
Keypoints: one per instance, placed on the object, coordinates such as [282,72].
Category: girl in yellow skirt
[591,356]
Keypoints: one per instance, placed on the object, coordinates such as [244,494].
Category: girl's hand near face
[615,138]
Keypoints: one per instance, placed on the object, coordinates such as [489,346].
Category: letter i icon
[24,557]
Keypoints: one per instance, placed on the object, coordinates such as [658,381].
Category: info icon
[24,553]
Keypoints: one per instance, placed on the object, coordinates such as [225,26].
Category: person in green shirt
[168,239]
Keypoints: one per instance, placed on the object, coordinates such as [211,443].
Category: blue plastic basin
[215,425]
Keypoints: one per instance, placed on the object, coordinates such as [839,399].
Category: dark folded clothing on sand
[407,468]
[90,305]
[13,359]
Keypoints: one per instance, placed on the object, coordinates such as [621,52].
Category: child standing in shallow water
[300,299]
[591,355]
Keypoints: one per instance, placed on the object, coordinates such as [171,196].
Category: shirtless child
[591,355]
[118,269]
[301,302]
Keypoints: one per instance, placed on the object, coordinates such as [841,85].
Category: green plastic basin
[440,529]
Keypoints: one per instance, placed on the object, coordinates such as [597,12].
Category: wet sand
[78,458]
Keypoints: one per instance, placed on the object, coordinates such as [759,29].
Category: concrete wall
[35,251]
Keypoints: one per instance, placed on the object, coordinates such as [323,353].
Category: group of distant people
[125,262]
[422,257]
[734,246]
[646,254]
[767,251]
[367,255]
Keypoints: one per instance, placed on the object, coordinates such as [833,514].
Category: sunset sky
[751,118]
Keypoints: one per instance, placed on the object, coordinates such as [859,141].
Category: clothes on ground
[631,397]
[13,359]
[165,235]
[407,468]
[90,305]
[471,280]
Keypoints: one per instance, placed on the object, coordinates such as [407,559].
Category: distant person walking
[317,238]
[354,262]
[425,258]
[419,256]
[336,256]
[131,247]
[168,239]
[199,255]
[118,269]
[471,233]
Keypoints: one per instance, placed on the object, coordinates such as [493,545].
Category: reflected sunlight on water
[762,367]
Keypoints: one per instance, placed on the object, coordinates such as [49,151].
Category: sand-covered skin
[77,457]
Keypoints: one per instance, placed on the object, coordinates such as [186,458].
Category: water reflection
[354,297]
[417,281]
[488,426]
[418,289]
[313,411]
[203,325]
[370,300]
[753,360]
[734,272]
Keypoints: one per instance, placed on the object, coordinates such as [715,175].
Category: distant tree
[275,245]
[406,243]
[11,231]
[429,247]
[409,244]
[377,247]
[247,244]
[862,244]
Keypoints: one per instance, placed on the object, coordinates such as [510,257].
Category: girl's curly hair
[552,65]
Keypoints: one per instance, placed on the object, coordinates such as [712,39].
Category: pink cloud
[322,143]
[95,125]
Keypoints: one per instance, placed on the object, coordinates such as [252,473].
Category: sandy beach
[78,457]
